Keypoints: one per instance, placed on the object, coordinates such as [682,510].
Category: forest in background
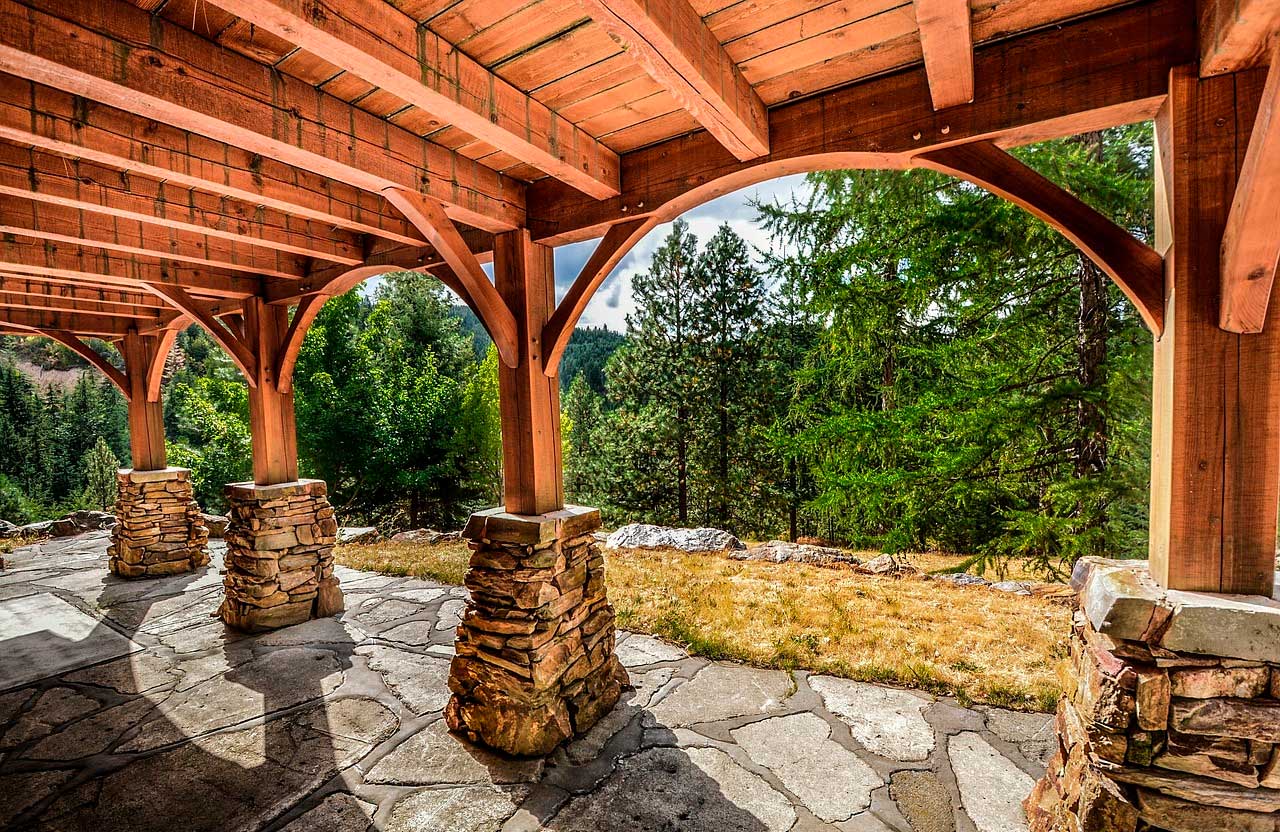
[913,363]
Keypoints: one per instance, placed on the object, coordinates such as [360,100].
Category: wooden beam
[84,186]
[271,415]
[375,41]
[155,371]
[13,300]
[619,240]
[670,41]
[529,398]
[72,126]
[1134,266]
[305,314]
[1251,241]
[72,342]
[97,326]
[200,312]
[1028,89]
[61,224]
[1215,439]
[22,256]
[947,40]
[429,217]
[1235,34]
[143,354]
[73,291]
[118,54]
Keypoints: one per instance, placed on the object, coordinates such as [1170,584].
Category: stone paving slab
[131,708]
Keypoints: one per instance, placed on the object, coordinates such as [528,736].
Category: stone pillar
[1171,720]
[535,661]
[279,556]
[160,529]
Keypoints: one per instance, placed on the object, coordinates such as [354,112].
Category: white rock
[886,721]
[829,779]
[639,650]
[992,788]
[644,536]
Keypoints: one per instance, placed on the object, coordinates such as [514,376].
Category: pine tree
[100,466]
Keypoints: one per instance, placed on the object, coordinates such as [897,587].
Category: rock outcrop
[780,551]
[645,536]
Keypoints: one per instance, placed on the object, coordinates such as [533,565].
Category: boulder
[217,524]
[963,579]
[428,536]
[1014,587]
[72,524]
[7,529]
[780,551]
[358,535]
[887,565]
[644,536]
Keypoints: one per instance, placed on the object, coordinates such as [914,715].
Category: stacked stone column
[160,530]
[279,556]
[1171,718]
[535,661]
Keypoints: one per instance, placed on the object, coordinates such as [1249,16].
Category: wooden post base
[279,556]
[535,661]
[160,529]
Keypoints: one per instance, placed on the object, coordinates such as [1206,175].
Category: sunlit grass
[973,643]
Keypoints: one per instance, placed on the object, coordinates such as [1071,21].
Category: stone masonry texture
[1171,718]
[279,556]
[160,529]
[535,662]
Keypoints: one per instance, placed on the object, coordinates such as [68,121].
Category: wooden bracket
[203,314]
[619,239]
[429,217]
[308,308]
[1135,267]
[1251,240]
[155,368]
[88,353]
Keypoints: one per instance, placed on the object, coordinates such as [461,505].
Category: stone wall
[279,556]
[1171,718]
[160,529]
[535,661]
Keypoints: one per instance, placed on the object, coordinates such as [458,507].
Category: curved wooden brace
[308,308]
[73,343]
[618,240]
[1135,267]
[155,370]
[428,216]
[234,346]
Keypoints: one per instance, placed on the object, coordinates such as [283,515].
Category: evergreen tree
[100,466]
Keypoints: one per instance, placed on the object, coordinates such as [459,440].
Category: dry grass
[976,644]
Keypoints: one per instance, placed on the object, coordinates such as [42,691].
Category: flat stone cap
[1122,600]
[297,488]
[498,526]
[158,475]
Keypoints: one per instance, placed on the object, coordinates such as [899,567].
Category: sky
[612,302]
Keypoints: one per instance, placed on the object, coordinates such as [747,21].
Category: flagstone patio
[128,706]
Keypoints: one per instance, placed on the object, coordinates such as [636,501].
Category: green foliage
[100,466]
[588,351]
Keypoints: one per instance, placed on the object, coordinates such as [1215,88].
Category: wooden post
[1215,461]
[146,416]
[271,421]
[524,273]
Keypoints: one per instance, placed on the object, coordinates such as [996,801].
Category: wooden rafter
[669,39]
[59,224]
[201,312]
[619,240]
[14,300]
[83,186]
[1134,266]
[233,99]
[375,41]
[429,217]
[72,291]
[1251,240]
[73,127]
[1235,34]
[947,40]
[80,323]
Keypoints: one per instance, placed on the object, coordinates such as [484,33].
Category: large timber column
[160,530]
[535,661]
[282,530]
[1170,713]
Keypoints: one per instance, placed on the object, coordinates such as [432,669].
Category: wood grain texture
[1235,34]
[1134,266]
[271,413]
[947,41]
[669,39]
[199,311]
[377,42]
[1251,241]
[142,354]
[1215,470]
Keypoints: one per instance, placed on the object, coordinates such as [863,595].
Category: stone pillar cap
[156,475]
[496,524]
[297,488]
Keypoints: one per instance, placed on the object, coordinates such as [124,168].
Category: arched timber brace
[203,313]
[429,217]
[1215,458]
[619,239]
[1135,267]
[88,353]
